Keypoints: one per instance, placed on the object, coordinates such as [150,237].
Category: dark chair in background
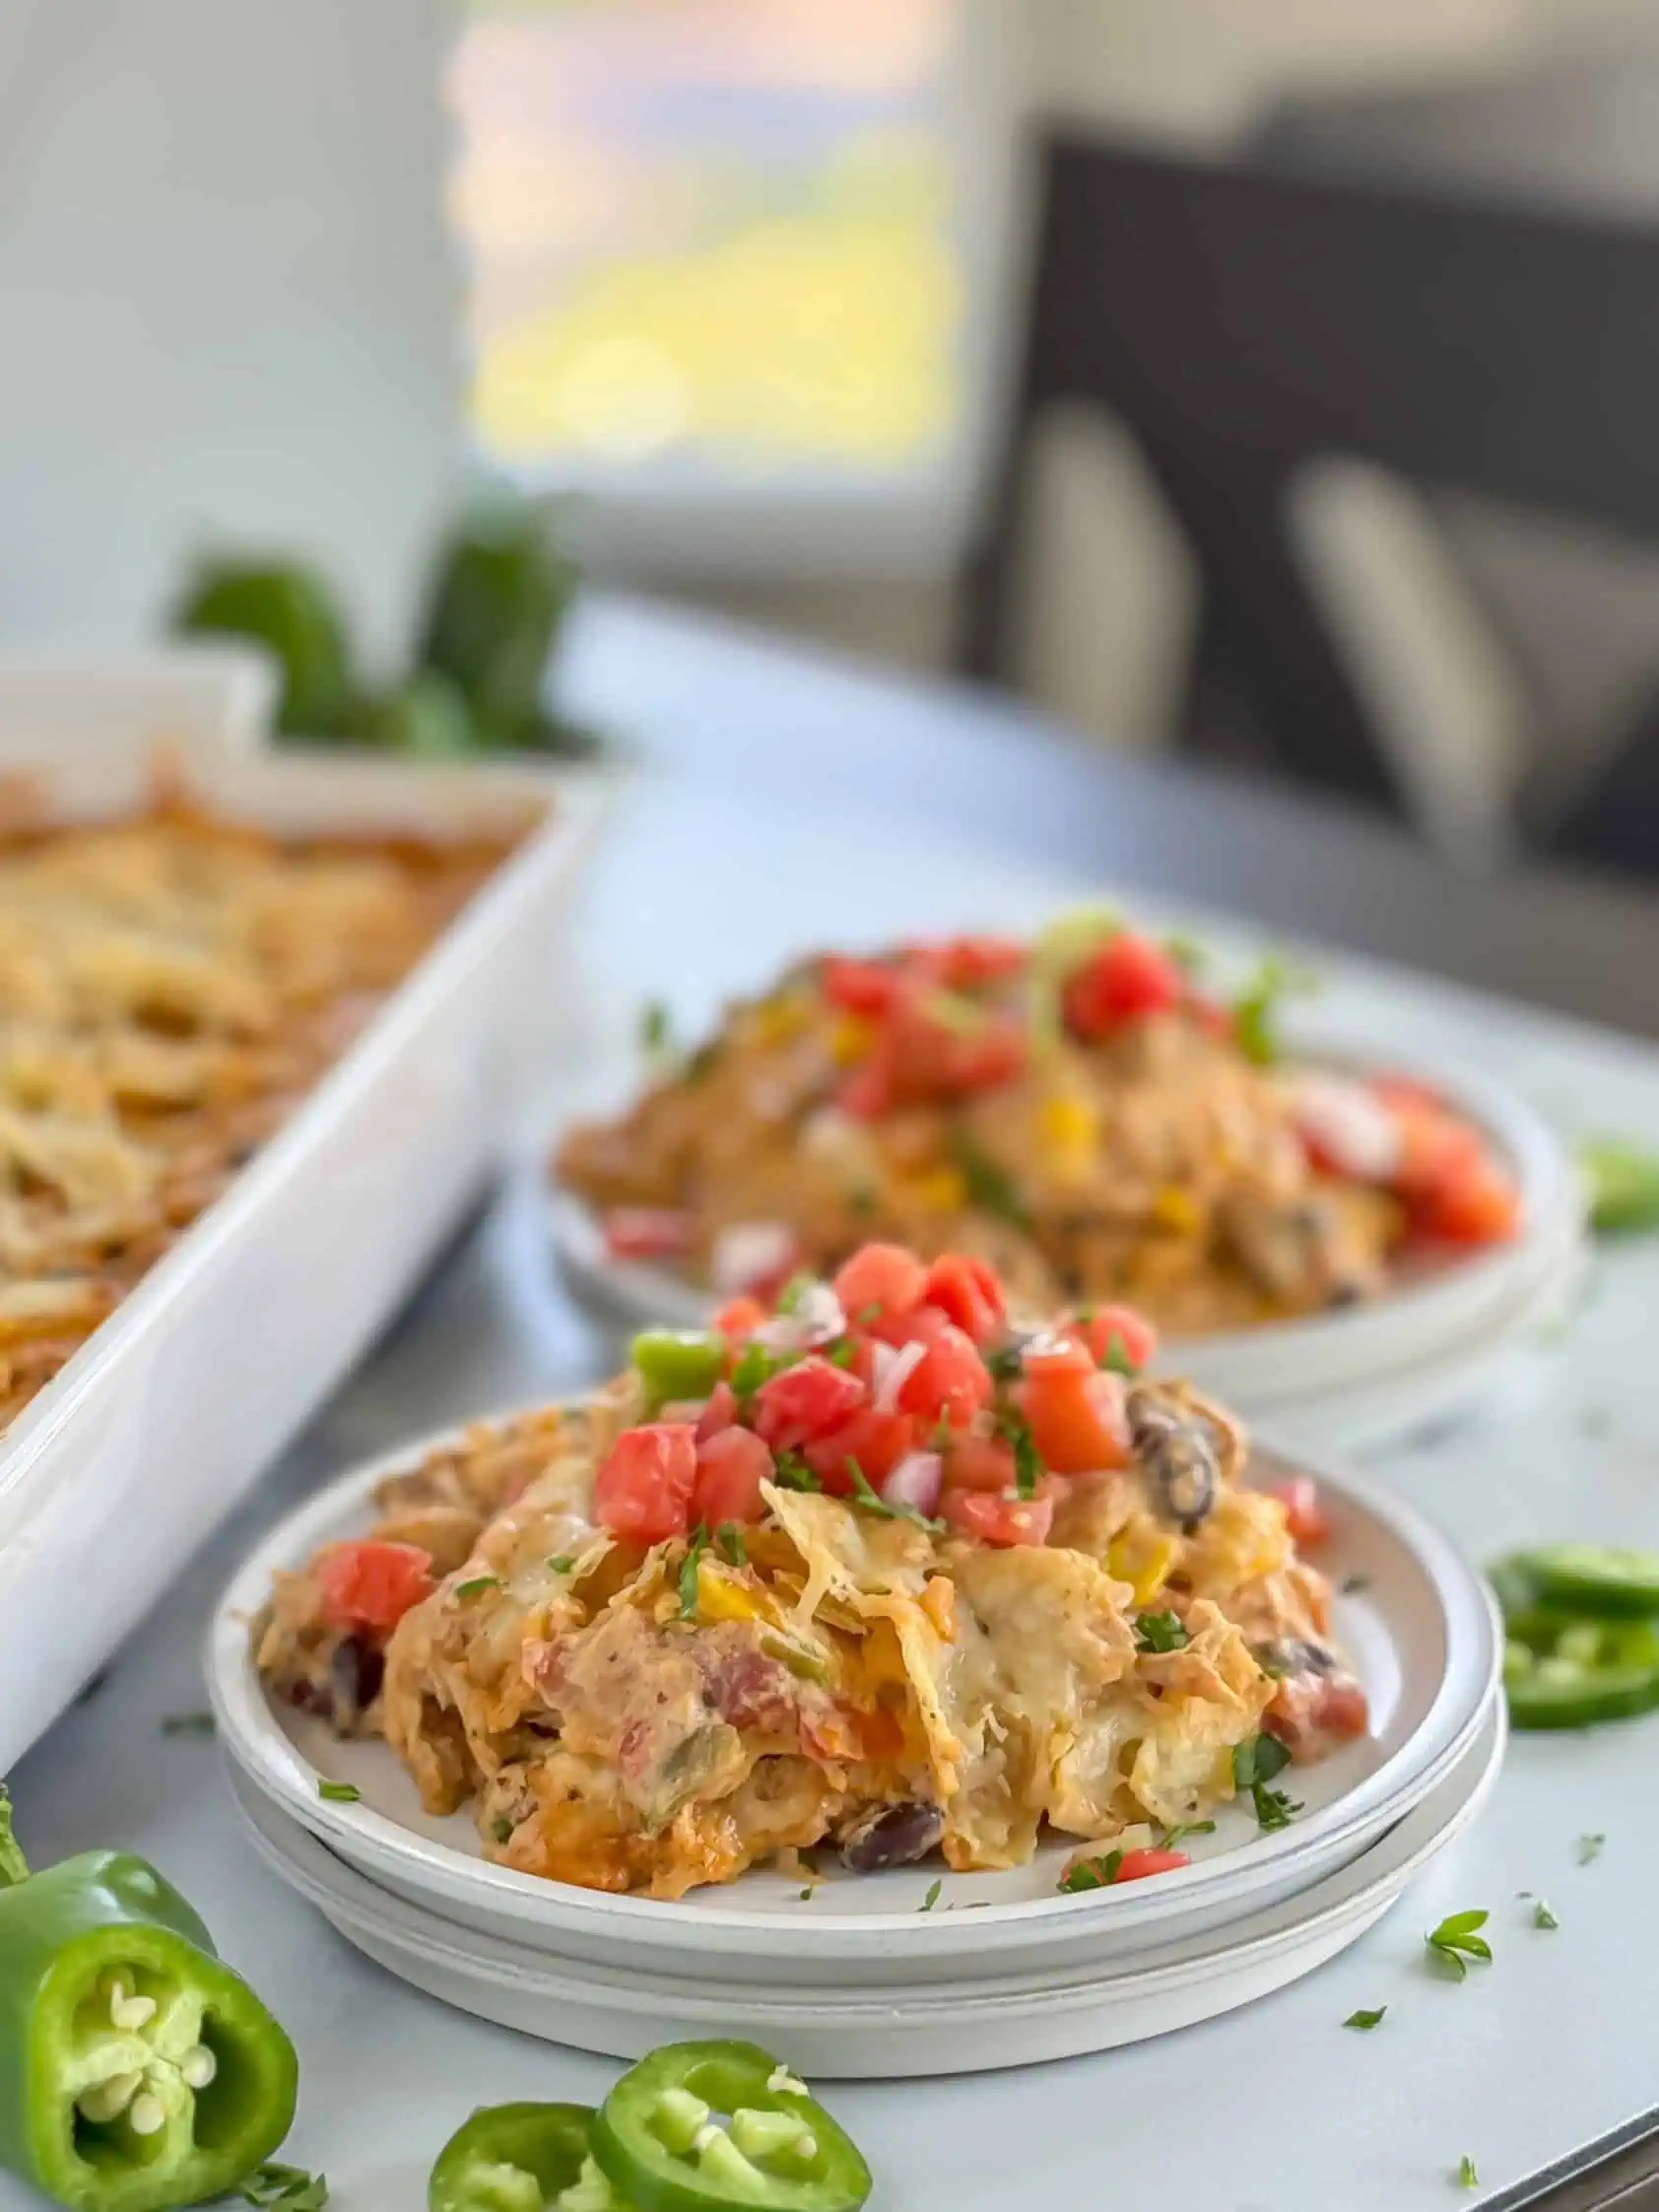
[1242,325]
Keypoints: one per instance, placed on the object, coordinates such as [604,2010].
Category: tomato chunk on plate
[372,1585]
[644,1487]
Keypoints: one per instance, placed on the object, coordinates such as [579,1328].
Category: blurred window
[709,245]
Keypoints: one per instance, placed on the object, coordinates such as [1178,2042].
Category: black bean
[355,1675]
[894,1837]
[1178,1453]
[1294,1655]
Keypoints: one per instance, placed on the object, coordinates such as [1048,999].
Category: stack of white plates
[916,1970]
[1341,1381]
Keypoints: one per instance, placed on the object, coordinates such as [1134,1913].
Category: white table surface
[1276,2108]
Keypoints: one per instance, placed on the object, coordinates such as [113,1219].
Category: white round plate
[888,2031]
[1422,1632]
[1257,1369]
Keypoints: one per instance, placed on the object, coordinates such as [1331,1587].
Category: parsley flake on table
[289,2187]
[1365,2019]
[1457,1941]
[932,1898]
[1590,1848]
[339,1792]
[1160,1632]
[1543,1917]
[1467,2176]
[655,1027]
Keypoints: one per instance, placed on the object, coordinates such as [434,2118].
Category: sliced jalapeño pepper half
[137,2072]
[1560,1672]
[522,2157]
[724,2127]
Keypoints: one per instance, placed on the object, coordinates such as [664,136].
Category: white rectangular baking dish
[131,1457]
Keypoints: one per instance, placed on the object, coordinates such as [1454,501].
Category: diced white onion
[1350,1124]
[916,1481]
[747,1252]
[893,1366]
[817,1319]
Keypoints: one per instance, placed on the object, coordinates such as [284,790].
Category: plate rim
[250,1735]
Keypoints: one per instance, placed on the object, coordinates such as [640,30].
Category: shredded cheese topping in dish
[172,984]
[875,1570]
[1080,1112]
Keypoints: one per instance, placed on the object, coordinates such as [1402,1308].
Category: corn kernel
[722,1598]
[939,1602]
[1175,1209]
[849,1040]
[777,1020]
[1069,1123]
[941,1190]
[1144,1566]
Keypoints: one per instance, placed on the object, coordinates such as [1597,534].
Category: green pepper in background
[137,2072]
[522,2157]
[676,1364]
[659,2138]
[427,718]
[1623,1181]
[1561,1672]
[500,596]
[290,610]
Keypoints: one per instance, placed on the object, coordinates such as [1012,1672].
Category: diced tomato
[1343,1710]
[1214,1019]
[969,1291]
[1479,1206]
[949,1382]
[969,961]
[1004,1522]
[926,1325]
[979,1463]
[1128,978]
[877,1441]
[739,1319]
[719,1412]
[647,1232]
[880,1282]
[1057,1353]
[1135,1866]
[1305,1509]
[731,1467]
[859,986]
[806,1400]
[1078,1423]
[867,1092]
[981,1062]
[644,1487]
[1435,1150]
[1132,1333]
[372,1585]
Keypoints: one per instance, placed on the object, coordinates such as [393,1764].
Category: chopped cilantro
[1543,1917]
[751,1369]
[1118,1360]
[944,1436]
[688,1573]
[1160,1632]
[1029,1468]
[477,1584]
[1457,1941]
[187,1724]
[1590,1847]
[932,1898]
[655,1027]
[1091,1874]
[1467,2176]
[561,1564]
[339,1792]
[1182,1830]
[990,1187]
[1365,2019]
[793,1473]
[731,1540]
[842,1352]
[1274,1808]
[1006,1362]
[873,1501]
[1254,1765]
[790,1296]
